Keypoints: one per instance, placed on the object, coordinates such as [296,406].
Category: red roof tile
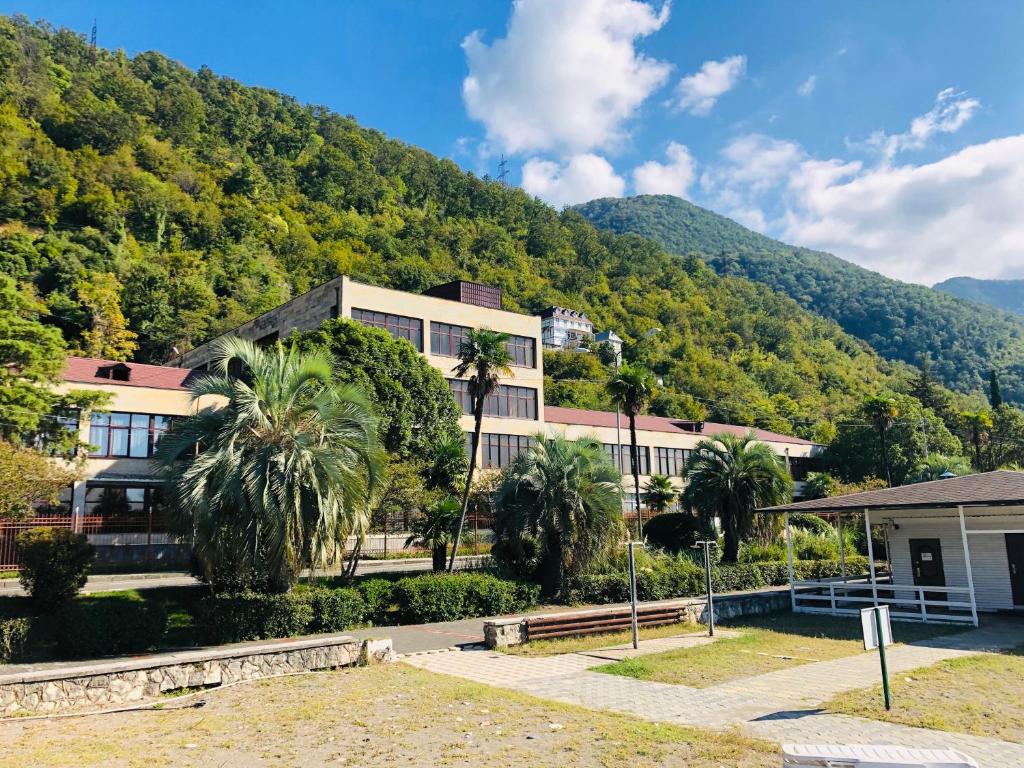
[578,416]
[88,370]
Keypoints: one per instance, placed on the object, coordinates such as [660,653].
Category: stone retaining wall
[501,633]
[125,681]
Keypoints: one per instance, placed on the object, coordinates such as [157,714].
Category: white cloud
[951,111]
[807,86]
[697,93]
[671,178]
[584,177]
[566,76]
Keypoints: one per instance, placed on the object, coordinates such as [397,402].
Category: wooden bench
[600,621]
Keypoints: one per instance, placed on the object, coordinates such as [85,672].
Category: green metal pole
[881,656]
[632,598]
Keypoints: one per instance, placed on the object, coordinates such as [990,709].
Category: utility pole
[503,171]
[92,43]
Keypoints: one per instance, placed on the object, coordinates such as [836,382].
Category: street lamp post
[706,545]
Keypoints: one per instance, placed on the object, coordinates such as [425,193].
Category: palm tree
[660,493]
[978,426]
[285,468]
[731,476]
[819,485]
[558,510]
[447,465]
[435,529]
[882,411]
[631,389]
[483,354]
[937,465]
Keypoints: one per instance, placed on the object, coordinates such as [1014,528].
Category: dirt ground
[390,715]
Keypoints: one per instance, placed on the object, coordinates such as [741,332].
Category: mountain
[150,207]
[899,320]
[1007,295]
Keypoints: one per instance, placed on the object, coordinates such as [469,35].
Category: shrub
[814,546]
[759,553]
[55,563]
[335,610]
[673,532]
[102,627]
[447,597]
[812,523]
[13,639]
[232,618]
[599,589]
[379,600]
[737,578]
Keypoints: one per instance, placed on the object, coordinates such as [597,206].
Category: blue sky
[886,132]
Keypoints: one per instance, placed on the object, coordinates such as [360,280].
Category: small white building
[562,328]
[954,547]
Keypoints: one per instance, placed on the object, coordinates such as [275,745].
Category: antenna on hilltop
[92,43]
[503,171]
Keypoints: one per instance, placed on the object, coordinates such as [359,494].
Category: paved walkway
[779,706]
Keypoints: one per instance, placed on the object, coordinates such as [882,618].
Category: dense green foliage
[673,532]
[55,564]
[88,628]
[184,203]
[899,320]
[451,596]
[1007,295]
[235,617]
[14,634]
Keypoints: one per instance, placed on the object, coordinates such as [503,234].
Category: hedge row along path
[780,706]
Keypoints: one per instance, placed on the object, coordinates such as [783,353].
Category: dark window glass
[446,339]
[501,450]
[643,458]
[523,350]
[671,461]
[399,326]
[123,508]
[799,467]
[507,401]
[134,435]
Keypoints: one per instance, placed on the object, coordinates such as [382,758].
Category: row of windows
[671,461]
[507,402]
[502,450]
[399,326]
[131,435]
[623,458]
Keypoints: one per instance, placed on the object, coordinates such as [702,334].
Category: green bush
[105,627]
[13,639]
[379,599]
[812,524]
[600,588]
[451,596]
[233,618]
[760,553]
[55,563]
[672,531]
[335,610]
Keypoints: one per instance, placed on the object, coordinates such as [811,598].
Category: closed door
[1015,557]
[926,561]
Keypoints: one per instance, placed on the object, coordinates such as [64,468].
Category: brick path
[779,706]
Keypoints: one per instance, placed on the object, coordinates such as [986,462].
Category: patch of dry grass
[390,715]
[980,695]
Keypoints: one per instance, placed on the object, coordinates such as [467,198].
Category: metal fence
[9,530]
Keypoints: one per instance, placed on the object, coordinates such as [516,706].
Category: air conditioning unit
[869,756]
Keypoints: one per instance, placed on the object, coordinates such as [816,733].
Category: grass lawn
[593,642]
[767,643]
[390,715]
[980,695]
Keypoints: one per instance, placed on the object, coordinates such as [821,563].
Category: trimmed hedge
[335,610]
[13,639]
[109,627]
[673,532]
[379,598]
[55,564]
[452,596]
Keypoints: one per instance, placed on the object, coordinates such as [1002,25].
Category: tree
[978,425]
[30,479]
[31,359]
[435,528]
[936,465]
[819,485]
[400,495]
[882,411]
[558,510]
[631,389]
[660,493]
[108,337]
[285,471]
[485,357]
[995,397]
[447,465]
[731,476]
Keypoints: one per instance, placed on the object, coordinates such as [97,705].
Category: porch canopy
[930,529]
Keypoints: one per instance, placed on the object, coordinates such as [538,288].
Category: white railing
[906,601]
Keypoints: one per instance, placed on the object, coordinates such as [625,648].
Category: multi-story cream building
[117,502]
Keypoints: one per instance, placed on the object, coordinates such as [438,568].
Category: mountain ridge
[1007,295]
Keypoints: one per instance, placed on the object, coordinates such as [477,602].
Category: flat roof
[580,417]
[89,370]
[986,489]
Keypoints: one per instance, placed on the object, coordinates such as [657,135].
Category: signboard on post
[869,624]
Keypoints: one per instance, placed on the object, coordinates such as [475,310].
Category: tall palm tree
[434,529]
[483,354]
[978,425]
[631,389]
[660,493]
[882,411]
[285,467]
[937,465]
[731,476]
[558,509]
[447,465]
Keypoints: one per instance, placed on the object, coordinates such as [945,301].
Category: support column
[967,562]
[842,548]
[789,560]
[871,557]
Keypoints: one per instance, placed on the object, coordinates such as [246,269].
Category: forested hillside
[1007,295]
[899,320]
[150,207]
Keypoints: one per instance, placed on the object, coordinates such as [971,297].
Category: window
[671,461]
[800,466]
[523,350]
[643,456]
[123,508]
[446,339]
[399,326]
[502,450]
[507,402]
[126,435]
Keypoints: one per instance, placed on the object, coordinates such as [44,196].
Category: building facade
[563,328]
